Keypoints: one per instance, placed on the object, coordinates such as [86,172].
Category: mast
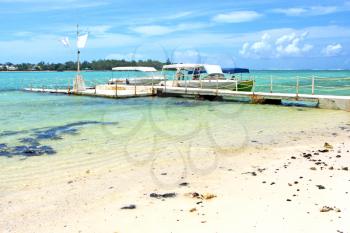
[78,52]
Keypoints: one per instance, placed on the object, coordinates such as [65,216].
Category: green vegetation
[70,65]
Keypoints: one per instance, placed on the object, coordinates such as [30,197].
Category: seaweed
[31,145]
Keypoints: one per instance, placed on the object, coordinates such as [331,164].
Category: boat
[207,76]
[147,77]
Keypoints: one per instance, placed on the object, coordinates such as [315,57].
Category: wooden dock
[322,101]
[125,91]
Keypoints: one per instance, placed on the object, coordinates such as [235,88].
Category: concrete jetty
[126,91]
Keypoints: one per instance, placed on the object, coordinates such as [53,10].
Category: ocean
[48,134]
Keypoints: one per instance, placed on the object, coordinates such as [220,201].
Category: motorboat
[206,76]
[140,76]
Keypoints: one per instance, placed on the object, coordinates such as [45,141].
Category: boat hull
[138,81]
[246,85]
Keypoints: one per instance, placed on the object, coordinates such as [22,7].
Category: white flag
[65,41]
[81,42]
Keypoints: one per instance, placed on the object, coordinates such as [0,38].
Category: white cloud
[310,11]
[237,17]
[284,46]
[152,30]
[156,30]
[296,11]
[291,45]
[32,6]
[257,49]
[127,56]
[332,50]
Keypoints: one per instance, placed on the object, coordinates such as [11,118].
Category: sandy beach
[292,182]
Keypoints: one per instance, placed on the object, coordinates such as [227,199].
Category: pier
[323,101]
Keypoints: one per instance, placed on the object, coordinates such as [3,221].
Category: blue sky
[258,34]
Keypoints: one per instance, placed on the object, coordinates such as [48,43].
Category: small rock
[128,207]
[194,195]
[345,168]
[165,195]
[193,210]
[320,186]
[184,184]
[293,157]
[69,182]
[288,200]
[313,168]
[323,151]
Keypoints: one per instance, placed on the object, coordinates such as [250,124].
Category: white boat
[204,76]
[148,78]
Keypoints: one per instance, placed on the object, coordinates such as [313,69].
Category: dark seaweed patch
[33,150]
[31,145]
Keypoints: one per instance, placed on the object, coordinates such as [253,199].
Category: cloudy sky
[274,34]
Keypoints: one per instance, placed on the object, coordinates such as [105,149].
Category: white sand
[88,200]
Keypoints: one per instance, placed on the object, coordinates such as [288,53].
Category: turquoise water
[48,136]
[34,124]
[326,82]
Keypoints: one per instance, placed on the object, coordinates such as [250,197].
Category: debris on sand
[327,209]
[323,151]
[193,210]
[206,196]
[128,207]
[328,146]
[313,168]
[345,168]
[184,184]
[320,186]
[165,195]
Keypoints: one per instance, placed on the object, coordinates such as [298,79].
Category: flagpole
[78,55]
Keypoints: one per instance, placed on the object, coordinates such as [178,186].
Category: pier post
[116,89]
[271,83]
[313,85]
[236,85]
[297,87]
[253,85]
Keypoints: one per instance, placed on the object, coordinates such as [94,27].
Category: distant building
[11,68]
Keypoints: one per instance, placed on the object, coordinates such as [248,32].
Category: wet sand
[298,182]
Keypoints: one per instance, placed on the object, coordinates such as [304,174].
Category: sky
[258,34]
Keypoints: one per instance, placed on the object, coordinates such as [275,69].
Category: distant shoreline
[52,71]
[41,71]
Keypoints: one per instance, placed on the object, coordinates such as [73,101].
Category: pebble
[128,207]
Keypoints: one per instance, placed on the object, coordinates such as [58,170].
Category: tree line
[86,65]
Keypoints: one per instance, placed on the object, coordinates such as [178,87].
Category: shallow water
[55,135]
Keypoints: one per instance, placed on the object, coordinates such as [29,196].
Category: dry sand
[266,187]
